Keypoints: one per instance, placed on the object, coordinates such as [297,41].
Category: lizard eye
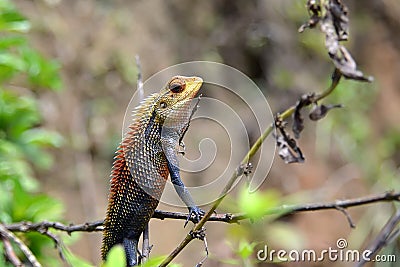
[163,105]
[176,86]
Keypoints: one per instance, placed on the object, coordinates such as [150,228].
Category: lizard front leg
[169,147]
[184,194]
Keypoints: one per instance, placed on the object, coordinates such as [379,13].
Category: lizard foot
[196,213]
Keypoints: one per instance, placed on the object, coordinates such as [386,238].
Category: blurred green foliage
[246,238]
[256,203]
[358,143]
[23,141]
[116,258]
[377,158]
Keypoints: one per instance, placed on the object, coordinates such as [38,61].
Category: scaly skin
[145,158]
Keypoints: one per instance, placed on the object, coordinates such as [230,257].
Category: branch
[6,234]
[10,253]
[44,225]
[386,236]
[58,244]
[225,218]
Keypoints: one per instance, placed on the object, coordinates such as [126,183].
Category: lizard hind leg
[130,246]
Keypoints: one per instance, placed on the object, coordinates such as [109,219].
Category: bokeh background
[351,153]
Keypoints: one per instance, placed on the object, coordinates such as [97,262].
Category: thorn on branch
[348,217]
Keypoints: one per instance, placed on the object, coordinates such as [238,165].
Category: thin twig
[58,244]
[202,236]
[347,215]
[336,76]
[139,86]
[28,253]
[10,253]
[383,238]
[146,245]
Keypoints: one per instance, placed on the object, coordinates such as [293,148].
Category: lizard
[144,159]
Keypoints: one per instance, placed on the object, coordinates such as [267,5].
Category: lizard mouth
[193,85]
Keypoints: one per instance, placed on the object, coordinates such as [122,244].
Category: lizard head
[174,100]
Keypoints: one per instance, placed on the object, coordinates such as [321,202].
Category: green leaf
[34,207]
[17,114]
[230,261]
[257,203]
[116,257]
[157,261]
[5,203]
[14,168]
[246,249]
[75,260]
[12,61]
[41,137]
[22,143]
[33,142]
[285,235]
[43,207]
[12,41]
[41,72]
[11,20]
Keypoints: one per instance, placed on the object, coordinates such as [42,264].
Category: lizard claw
[182,148]
[197,214]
